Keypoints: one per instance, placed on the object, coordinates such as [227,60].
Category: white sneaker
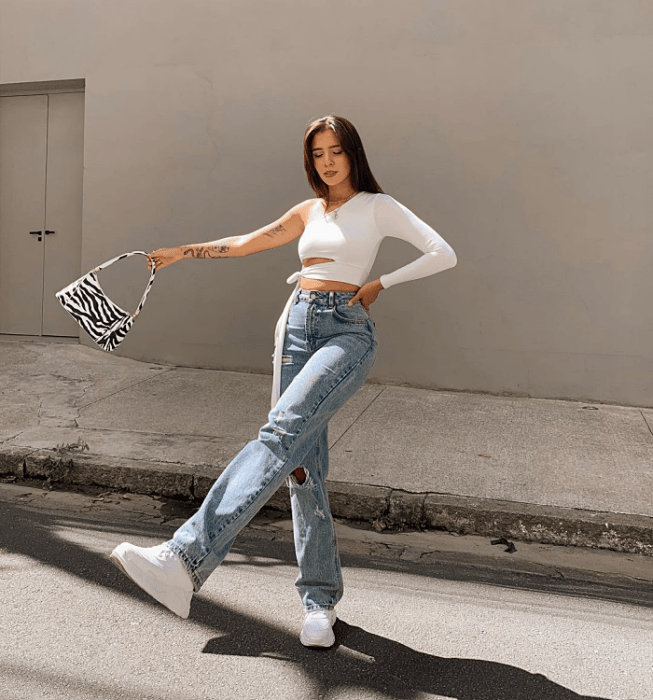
[159,572]
[317,630]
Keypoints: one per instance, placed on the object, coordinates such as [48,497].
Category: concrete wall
[521,130]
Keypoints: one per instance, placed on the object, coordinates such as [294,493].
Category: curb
[384,506]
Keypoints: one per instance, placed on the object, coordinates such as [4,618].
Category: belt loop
[331,299]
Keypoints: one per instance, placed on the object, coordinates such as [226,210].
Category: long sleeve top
[351,236]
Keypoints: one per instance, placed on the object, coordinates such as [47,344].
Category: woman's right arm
[285,230]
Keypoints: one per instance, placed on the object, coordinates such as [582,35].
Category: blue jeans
[328,350]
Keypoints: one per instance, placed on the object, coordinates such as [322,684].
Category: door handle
[36,233]
[49,233]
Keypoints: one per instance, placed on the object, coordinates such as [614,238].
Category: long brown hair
[362,179]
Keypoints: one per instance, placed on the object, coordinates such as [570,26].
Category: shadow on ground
[360,661]
[365,661]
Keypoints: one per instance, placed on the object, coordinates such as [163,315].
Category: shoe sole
[307,643]
[117,562]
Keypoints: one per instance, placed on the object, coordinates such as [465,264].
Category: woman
[325,344]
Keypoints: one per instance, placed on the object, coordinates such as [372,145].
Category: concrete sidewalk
[527,469]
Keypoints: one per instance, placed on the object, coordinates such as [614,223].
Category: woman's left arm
[396,220]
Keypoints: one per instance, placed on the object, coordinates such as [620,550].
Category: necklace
[339,201]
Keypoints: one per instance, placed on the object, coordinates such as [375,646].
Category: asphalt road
[425,615]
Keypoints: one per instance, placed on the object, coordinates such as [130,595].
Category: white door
[41,171]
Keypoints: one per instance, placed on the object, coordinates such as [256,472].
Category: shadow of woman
[362,660]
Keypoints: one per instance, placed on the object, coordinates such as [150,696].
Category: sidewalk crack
[6,441]
[647,423]
[362,413]
[125,388]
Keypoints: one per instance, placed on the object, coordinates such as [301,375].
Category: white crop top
[351,236]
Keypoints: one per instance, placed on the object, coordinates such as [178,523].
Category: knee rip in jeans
[305,483]
[286,360]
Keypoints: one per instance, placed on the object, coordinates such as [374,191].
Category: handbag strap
[149,284]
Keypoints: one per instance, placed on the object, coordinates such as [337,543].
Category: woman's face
[330,161]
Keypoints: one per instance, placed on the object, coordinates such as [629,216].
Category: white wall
[520,130]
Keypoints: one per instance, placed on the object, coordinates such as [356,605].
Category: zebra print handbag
[101,318]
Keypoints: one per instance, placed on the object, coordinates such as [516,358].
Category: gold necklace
[339,201]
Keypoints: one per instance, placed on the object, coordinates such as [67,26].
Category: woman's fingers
[367,295]
[356,298]
[362,297]
[151,259]
[162,257]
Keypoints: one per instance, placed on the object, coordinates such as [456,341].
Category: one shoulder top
[351,236]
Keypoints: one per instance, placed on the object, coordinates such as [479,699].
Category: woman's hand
[163,257]
[367,294]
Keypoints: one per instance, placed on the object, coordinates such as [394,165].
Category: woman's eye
[319,155]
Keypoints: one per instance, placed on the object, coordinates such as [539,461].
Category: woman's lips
[330,173]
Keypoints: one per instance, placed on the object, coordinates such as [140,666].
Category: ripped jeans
[328,350]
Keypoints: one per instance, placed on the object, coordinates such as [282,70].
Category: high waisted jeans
[328,350]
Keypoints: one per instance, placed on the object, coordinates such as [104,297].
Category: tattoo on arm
[209,250]
[276,229]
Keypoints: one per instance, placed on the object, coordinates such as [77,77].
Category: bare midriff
[324,285]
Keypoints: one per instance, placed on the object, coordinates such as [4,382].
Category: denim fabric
[328,350]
